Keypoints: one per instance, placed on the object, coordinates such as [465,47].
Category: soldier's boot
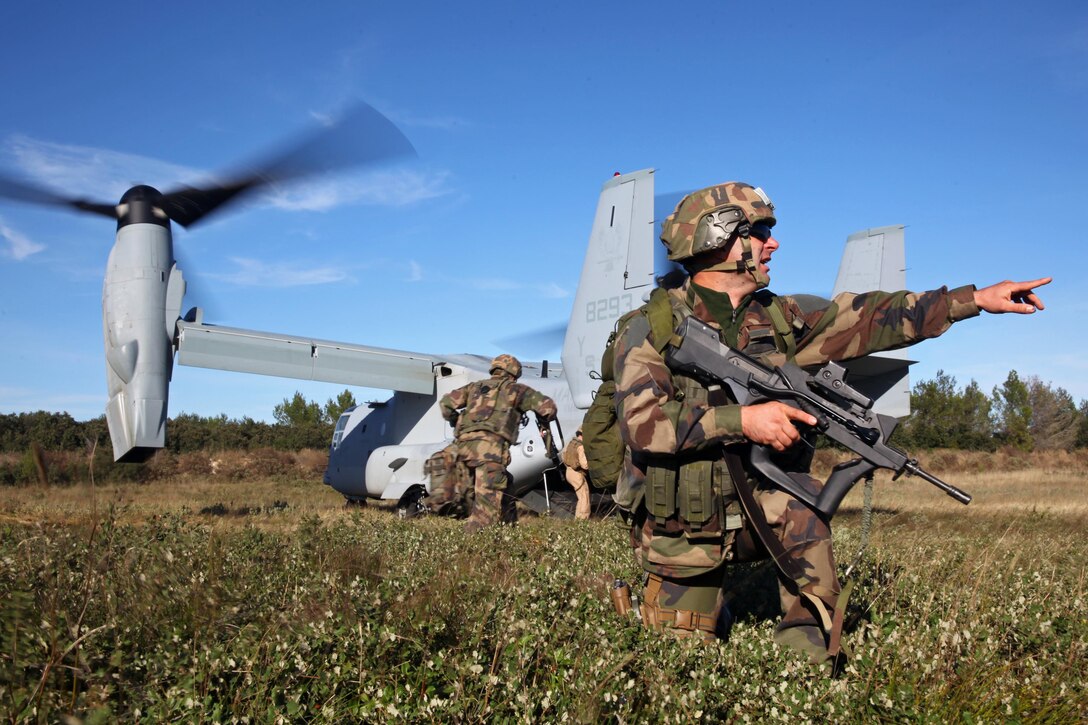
[509,509]
[692,607]
[811,641]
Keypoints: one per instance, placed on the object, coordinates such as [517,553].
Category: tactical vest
[492,408]
[697,487]
[570,454]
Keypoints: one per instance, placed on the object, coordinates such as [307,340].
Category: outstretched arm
[1018,297]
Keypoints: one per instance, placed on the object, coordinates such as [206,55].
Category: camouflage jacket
[665,415]
[494,407]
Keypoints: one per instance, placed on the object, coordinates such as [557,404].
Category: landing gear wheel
[411,504]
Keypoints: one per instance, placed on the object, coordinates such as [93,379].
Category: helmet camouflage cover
[508,364]
[708,219]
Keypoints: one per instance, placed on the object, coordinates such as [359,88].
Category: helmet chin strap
[746,264]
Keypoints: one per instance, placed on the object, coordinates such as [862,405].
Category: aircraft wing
[875,259]
[302,358]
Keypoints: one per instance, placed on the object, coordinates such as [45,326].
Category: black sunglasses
[762,232]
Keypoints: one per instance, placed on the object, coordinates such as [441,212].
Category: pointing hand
[1009,296]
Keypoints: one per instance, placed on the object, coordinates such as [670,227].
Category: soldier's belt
[659,618]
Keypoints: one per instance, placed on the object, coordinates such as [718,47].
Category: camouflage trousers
[449,483]
[487,458]
[580,484]
[701,557]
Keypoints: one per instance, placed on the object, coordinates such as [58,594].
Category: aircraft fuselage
[379,449]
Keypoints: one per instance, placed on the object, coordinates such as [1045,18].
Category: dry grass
[269,597]
[223,503]
[1004,484]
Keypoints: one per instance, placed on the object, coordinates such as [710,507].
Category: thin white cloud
[254,273]
[325,119]
[103,175]
[497,284]
[552,291]
[97,173]
[380,188]
[415,271]
[19,247]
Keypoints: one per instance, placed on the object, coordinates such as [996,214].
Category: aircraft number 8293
[609,308]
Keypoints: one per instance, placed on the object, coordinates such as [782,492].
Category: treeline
[299,424]
[1022,413]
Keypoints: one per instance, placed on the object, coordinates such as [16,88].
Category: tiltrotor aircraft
[378,450]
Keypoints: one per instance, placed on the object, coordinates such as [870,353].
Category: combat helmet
[508,364]
[711,218]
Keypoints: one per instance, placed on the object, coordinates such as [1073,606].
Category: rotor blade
[188,205]
[538,342]
[32,194]
[362,136]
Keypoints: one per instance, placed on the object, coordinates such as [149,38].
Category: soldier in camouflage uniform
[686,520]
[485,415]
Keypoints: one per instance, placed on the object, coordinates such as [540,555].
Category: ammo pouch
[694,490]
[697,486]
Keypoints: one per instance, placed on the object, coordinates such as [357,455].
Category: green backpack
[600,427]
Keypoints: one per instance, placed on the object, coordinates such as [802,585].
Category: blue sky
[964,121]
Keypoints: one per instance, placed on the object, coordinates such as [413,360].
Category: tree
[298,411]
[1082,425]
[335,408]
[1012,412]
[944,417]
[1053,416]
[977,419]
[932,404]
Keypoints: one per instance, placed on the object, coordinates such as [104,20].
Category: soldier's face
[763,246]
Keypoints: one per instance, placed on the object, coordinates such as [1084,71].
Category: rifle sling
[832,621]
[755,515]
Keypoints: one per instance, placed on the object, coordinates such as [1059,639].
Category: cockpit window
[338,432]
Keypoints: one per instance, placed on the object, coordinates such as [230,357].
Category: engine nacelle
[141,301]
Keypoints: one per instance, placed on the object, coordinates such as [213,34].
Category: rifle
[549,440]
[843,414]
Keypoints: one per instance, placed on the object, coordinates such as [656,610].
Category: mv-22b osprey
[379,449]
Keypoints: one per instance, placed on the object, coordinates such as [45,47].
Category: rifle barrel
[959,494]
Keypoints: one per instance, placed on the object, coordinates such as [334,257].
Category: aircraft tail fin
[617,275]
[875,259]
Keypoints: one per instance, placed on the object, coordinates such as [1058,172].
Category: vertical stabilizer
[875,259]
[617,273]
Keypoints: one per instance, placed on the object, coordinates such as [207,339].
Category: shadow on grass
[220,509]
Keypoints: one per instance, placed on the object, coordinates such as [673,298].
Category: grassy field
[200,599]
